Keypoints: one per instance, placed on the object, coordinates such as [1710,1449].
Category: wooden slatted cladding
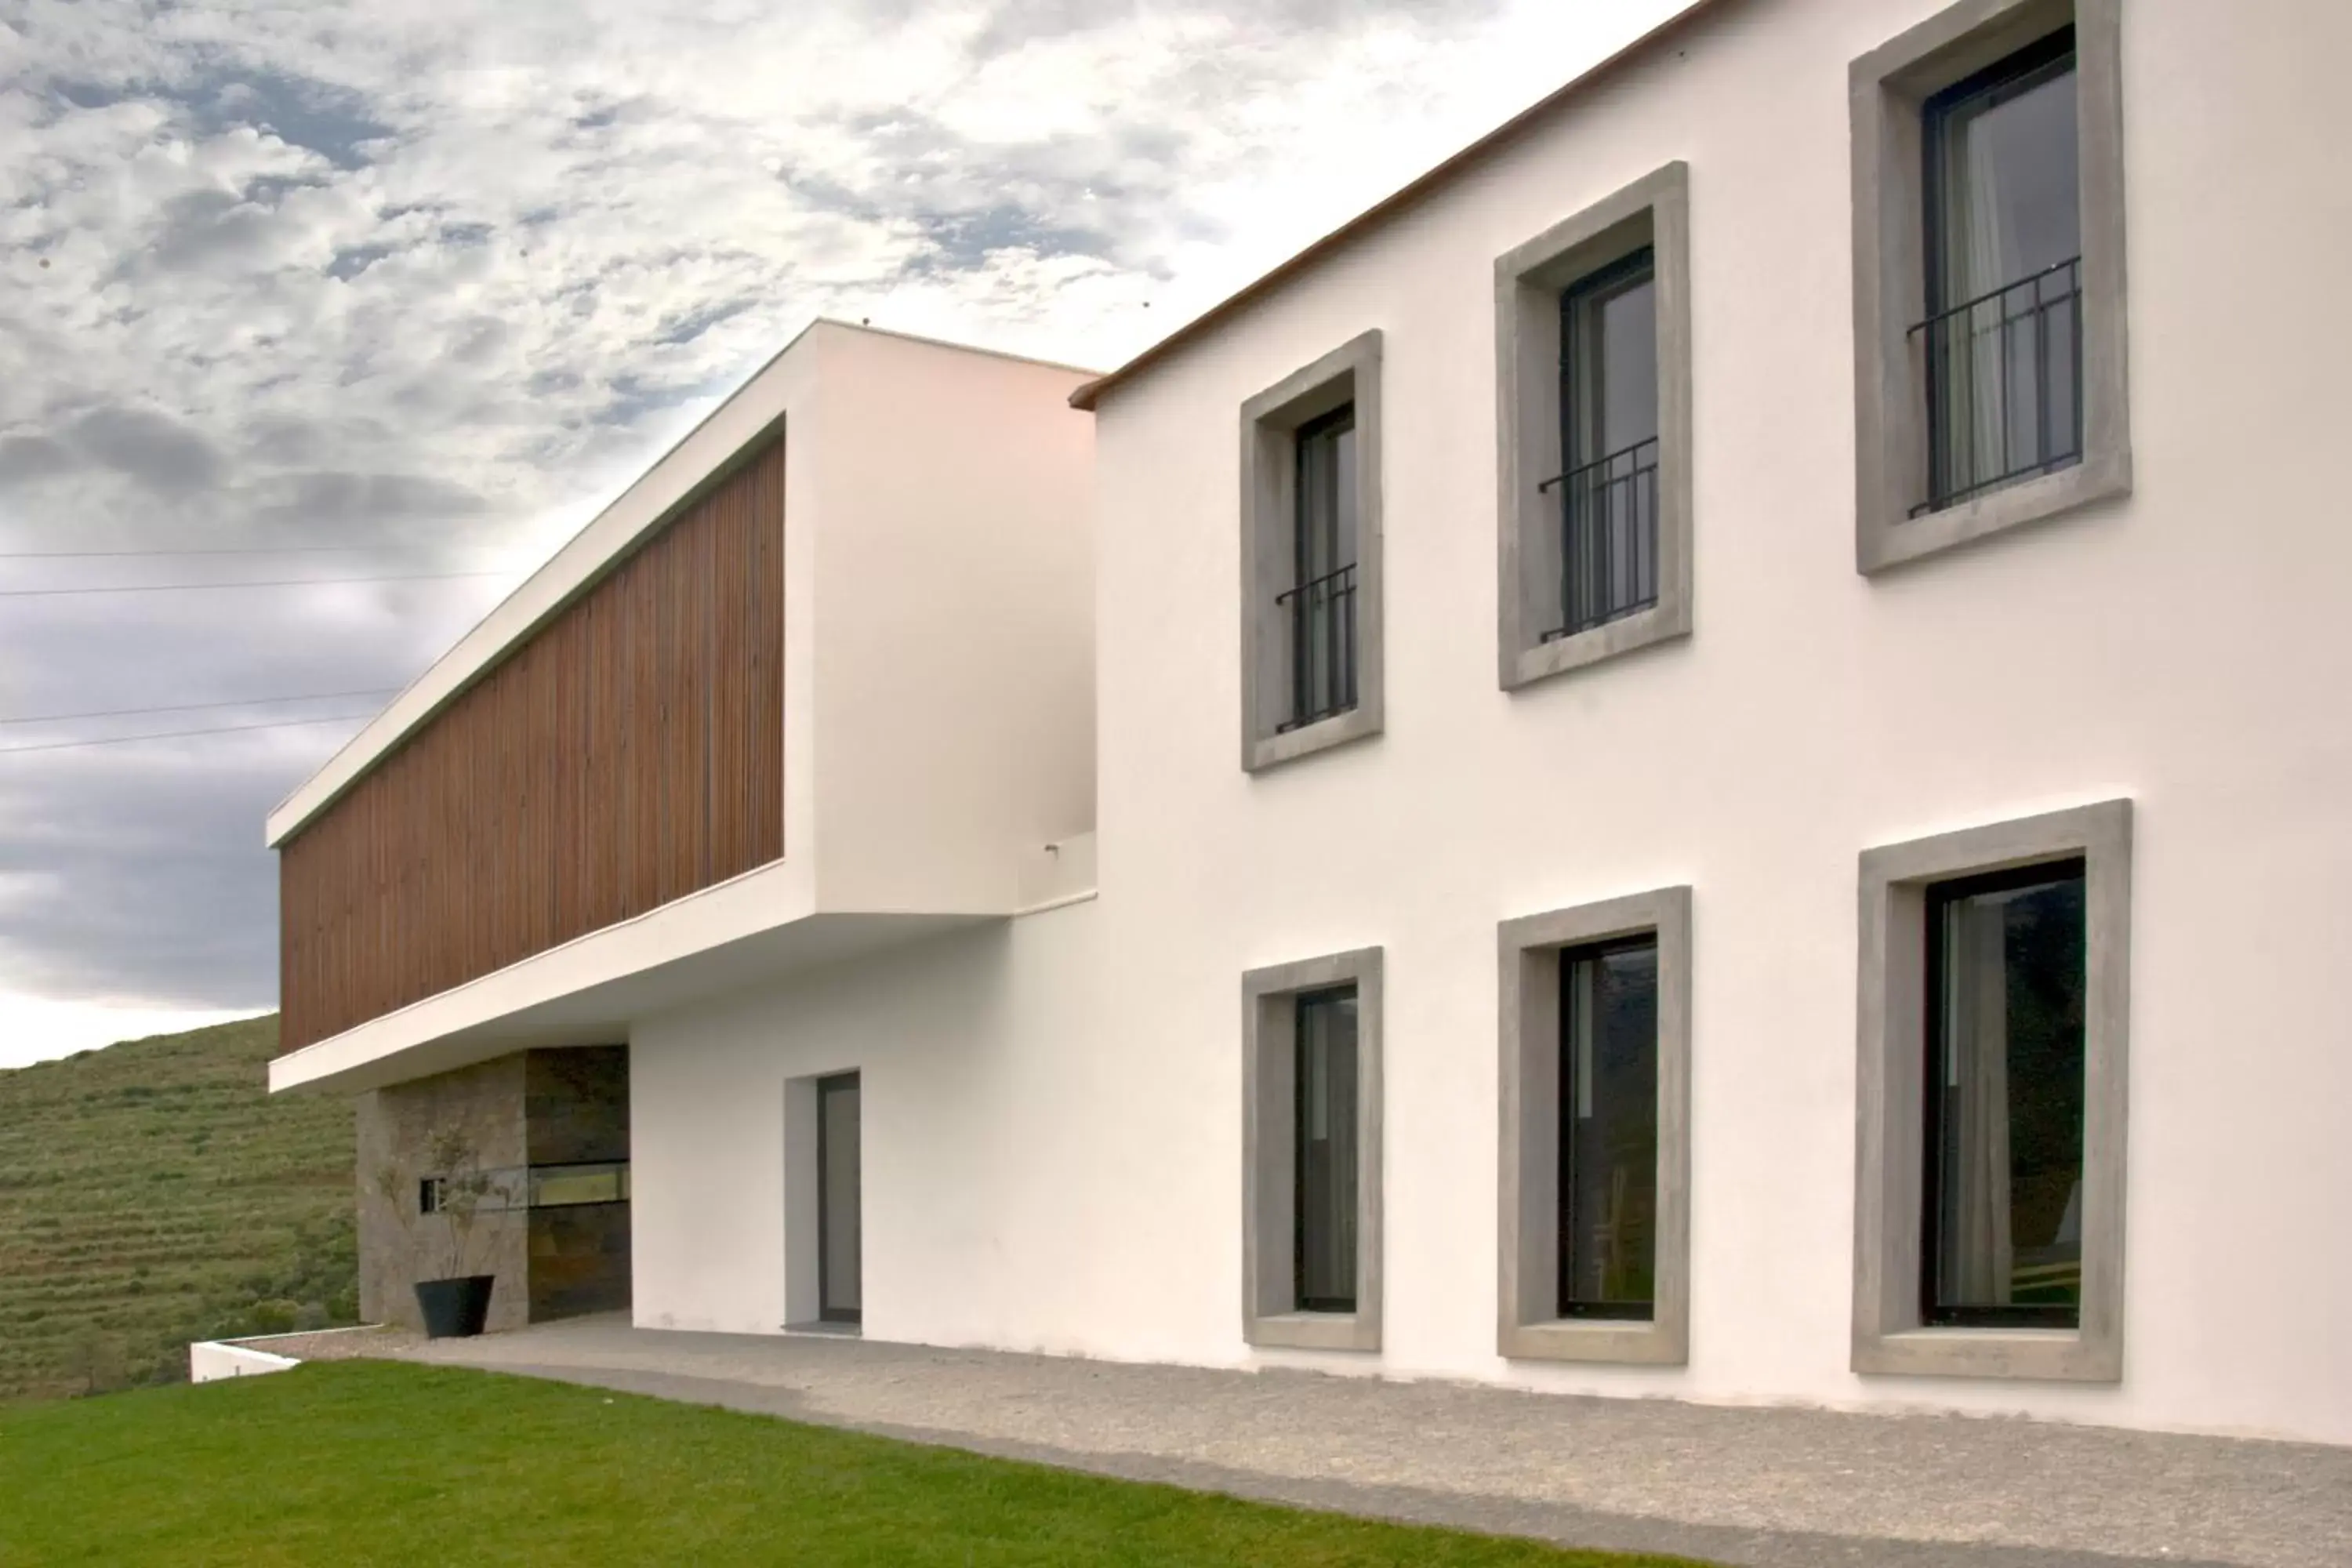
[628,753]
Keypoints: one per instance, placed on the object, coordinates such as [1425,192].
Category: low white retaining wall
[211,1360]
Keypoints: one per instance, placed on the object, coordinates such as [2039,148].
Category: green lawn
[364,1462]
[152,1194]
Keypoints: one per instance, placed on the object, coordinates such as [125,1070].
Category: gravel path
[1758,1487]
[369,1340]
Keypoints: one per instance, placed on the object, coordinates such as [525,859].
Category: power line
[274,582]
[193,707]
[253,550]
[184,734]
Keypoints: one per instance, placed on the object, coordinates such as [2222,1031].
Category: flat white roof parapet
[699,459]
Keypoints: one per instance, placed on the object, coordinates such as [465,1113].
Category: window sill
[1288,745]
[1314,1332]
[1884,544]
[1662,622]
[2046,1355]
[1619,1340]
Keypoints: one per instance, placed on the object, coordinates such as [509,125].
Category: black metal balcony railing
[1321,617]
[1609,538]
[2004,384]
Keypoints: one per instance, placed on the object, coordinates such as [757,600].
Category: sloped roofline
[1390,206]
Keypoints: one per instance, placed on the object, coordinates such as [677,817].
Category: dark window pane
[2004,242]
[1326,1219]
[1609,445]
[2006,178]
[2006,968]
[1608,1129]
[1319,606]
[840,1295]
[1327,494]
[1612,401]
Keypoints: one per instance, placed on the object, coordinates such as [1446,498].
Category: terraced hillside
[153,1192]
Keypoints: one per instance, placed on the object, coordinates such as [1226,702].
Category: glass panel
[475,1192]
[1609,445]
[2006,964]
[1325,1220]
[2009,180]
[1319,608]
[1613,403]
[1609,1129]
[2004,238]
[560,1186]
[839,1297]
[1327,494]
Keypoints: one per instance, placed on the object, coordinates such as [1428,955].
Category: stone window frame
[1889,1337]
[1653,210]
[1528,1325]
[1269,1094]
[1270,421]
[1888,88]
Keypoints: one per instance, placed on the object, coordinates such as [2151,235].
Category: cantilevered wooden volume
[629,752]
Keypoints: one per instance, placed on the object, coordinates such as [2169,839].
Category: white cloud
[448,274]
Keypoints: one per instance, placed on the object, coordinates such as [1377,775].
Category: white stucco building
[1702,758]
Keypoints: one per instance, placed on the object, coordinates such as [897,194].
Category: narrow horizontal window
[2003,1185]
[566,1186]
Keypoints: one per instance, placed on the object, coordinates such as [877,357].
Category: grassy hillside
[153,1192]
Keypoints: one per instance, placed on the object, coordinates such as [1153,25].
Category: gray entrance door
[839,1294]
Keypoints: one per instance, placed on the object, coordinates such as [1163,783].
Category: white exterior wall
[985,1114]
[950,591]
[1052,1105]
[2186,648]
[210,1361]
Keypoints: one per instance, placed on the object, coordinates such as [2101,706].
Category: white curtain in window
[1978,257]
[1980,1255]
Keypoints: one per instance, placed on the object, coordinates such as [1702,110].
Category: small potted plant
[455,1303]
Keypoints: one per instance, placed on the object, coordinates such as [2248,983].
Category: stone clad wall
[577,1105]
[399,1246]
[532,1107]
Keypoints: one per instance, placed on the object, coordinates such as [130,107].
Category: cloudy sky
[314,291]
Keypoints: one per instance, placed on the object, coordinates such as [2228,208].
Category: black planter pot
[455,1309]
